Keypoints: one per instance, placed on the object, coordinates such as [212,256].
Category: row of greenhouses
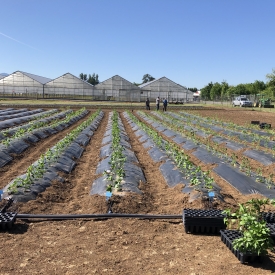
[116,88]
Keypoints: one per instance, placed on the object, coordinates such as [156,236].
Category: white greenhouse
[165,88]
[118,89]
[68,86]
[23,84]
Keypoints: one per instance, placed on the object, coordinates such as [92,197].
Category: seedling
[248,220]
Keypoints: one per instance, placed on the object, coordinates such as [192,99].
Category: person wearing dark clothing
[147,104]
[157,103]
[165,103]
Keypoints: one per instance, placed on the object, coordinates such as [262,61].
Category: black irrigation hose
[96,216]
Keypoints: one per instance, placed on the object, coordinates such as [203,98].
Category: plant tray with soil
[7,220]
[205,221]
[228,236]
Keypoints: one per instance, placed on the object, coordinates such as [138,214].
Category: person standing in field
[165,103]
[147,102]
[157,103]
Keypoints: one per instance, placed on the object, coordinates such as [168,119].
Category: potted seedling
[251,238]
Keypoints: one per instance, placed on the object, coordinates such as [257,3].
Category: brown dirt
[118,246]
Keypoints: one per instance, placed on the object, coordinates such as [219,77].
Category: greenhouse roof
[40,79]
[75,77]
[2,76]
[117,77]
[147,83]
[155,80]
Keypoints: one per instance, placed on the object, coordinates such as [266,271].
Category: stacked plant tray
[7,220]
[269,217]
[204,221]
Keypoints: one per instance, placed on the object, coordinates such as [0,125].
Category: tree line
[92,79]
[223,90]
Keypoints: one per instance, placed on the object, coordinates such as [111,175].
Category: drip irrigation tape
[96,216]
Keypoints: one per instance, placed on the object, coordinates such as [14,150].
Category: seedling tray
[7,220]
[228,236]
[204,221]
[269,217]
[271,227]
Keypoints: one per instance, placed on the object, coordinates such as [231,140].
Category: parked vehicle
[262,102]
[242,101]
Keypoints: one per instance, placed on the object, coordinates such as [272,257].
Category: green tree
[224,89]
[231,92]
[83,76]
[147,78]
[241,89]
[93,79]
[270,89]
[205,91]
[258,86]
[215,90]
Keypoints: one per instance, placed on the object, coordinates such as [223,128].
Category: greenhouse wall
[22,84]
[68,86]
[117,88]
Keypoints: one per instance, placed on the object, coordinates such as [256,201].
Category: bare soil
[119,246]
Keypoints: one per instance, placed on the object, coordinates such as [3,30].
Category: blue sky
[192,42]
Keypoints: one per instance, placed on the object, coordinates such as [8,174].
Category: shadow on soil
[18,228]
[268,263]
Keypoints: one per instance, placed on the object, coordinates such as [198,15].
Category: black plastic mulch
[169,133]
[143,138]
[246,185]
[106,150]
[205,156]
[189,145]
[148,144]
[171,174]
[74,151]
[157,155]
[4,158]
[179,139]
[219,140]
[31,138]
[264,158]
[234,145]
[82,139]
[103,165]
[64,164]
[40,133]
[17,146]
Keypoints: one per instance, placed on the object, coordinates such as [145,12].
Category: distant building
[197,95]
[118,89]
[23,83]
[165,88]
[69,86]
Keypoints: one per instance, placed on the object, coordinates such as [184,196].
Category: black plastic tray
[7,220]
[228,236]
[204,221]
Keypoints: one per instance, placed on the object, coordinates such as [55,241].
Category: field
[134,246]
